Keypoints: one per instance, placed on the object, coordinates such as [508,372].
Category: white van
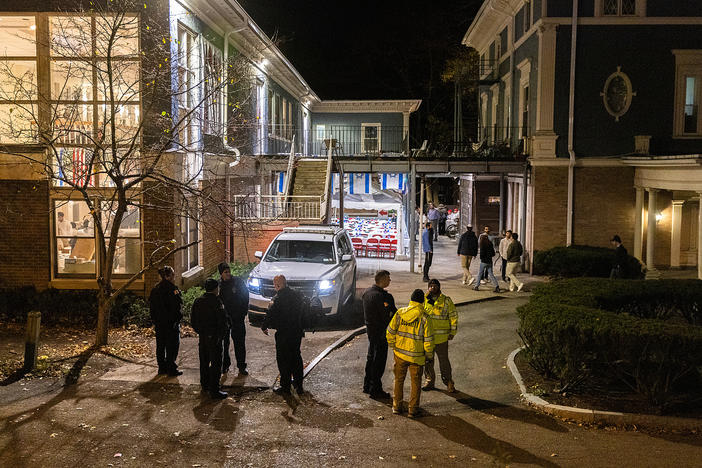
[315,260]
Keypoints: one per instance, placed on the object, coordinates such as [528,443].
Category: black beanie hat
[417,295]
[211,284]
[222,266]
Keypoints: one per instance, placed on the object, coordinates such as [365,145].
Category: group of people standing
[416,334]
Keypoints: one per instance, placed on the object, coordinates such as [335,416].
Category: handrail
[304,207]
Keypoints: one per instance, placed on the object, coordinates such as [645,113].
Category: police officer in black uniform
[210,322]
[378,309]
[235,296]
[285,315]
[165,304]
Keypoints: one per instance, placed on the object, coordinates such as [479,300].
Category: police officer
[285,315]
[378,309]
[165,304]
[235,296]
[209,320]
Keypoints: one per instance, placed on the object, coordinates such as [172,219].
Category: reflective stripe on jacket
[443,318]
[410,334]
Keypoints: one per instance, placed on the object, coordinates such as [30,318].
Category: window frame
[688,63]
[365,125]
[639,9]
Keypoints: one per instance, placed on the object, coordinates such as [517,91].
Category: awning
[383,200]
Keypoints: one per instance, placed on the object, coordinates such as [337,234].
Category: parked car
[315,260]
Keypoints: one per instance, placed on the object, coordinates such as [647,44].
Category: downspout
[571,118]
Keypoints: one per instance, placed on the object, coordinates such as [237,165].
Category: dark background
[372,50]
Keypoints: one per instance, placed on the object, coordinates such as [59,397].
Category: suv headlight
[326,287]
[255,285]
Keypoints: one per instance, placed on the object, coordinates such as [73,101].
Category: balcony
[345,140]
[494,143]
[271,207]
[488,72]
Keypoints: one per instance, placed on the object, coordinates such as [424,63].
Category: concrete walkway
[446,267]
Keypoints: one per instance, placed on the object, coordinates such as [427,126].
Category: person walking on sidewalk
[502,249]
[487,251]
[378,309]
[209,320]
[428,249]
[285,315]
[165,304]
[411,338]
[433,216]
[620,258]
[514,256]
[467,249]
[235,296]
[444,321]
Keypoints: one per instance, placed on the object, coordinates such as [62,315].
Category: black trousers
[238,336]
[504,269]
[167,345]
[376,359]
[427,263]
[210,350]
[287,354]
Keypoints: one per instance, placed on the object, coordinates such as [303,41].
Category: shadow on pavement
[349,319]
[306,411]
[459,431]
[221,415]
[507,412]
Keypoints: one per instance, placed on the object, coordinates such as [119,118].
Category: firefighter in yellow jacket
[411,338]
[444,319]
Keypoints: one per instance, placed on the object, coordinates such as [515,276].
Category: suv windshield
[300,251]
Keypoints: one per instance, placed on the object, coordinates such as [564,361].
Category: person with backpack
[286,315]
[165,303]
[378,309]
[514,256]
[487,251]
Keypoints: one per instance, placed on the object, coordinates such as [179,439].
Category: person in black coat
[285,315]
[235,296]
[619,268]
[487,251]
[209,320]
[165,303]
[378,309]
[467,250]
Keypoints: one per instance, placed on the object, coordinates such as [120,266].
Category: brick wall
[604,205]
[550,191]
[159,228]
[24,234]
[254,238]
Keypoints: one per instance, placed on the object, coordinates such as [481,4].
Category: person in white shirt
[504,245]
[63,228]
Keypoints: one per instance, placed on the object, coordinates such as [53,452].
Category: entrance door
[688,233]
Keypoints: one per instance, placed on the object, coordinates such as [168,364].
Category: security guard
[285,315]
[444,320]
[410,335]
[165,304]
[235,296]
[210,322]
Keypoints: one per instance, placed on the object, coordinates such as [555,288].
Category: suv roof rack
[314,229]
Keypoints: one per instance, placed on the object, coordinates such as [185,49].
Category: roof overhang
[679,160]
[490,17]
[350,106]
[227,16]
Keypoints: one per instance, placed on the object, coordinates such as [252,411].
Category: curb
[589,416]
[337,344]
[476,301]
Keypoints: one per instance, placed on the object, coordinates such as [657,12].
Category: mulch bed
[614,398]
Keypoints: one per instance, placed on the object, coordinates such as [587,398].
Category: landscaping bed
[618,345]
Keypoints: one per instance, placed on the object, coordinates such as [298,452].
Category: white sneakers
[463,282]
[471,281]
[520,287]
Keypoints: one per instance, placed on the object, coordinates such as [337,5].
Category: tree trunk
[103,320]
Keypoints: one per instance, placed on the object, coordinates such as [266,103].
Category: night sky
[367,49]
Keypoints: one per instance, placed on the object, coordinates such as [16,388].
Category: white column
[699,239]
[675,227]
[652,273]
[638,224]
[405,131]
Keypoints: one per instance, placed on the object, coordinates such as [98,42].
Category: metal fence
[268,207]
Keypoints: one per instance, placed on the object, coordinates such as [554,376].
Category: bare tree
[122,120]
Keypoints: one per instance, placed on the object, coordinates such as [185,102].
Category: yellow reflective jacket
[410,334]
[443,318]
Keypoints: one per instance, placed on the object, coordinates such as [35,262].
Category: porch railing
[302,207]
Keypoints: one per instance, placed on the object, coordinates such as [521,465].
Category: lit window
[127,259]
[321,130]
[188,62]
[190,234]
[212,80]
[370,137]
[74,237]
[688,93]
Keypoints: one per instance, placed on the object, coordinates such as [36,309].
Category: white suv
[315,260]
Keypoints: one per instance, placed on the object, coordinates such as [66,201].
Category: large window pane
[18,80]
[73,123]
[17,36]
[127,256]
[123,80]
[71,80]
[75,256]
[74,166]
[127,119]
[691,104]
[118,34]
[17,123]
[73,219]
[130,225]
[70,36]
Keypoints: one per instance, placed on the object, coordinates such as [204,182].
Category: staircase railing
[269,207]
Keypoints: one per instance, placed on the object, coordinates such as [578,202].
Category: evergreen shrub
[580,260]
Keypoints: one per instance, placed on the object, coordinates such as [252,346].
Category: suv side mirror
[346,258]
[258,254]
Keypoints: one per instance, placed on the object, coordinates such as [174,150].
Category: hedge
[579,260]
[588,332]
